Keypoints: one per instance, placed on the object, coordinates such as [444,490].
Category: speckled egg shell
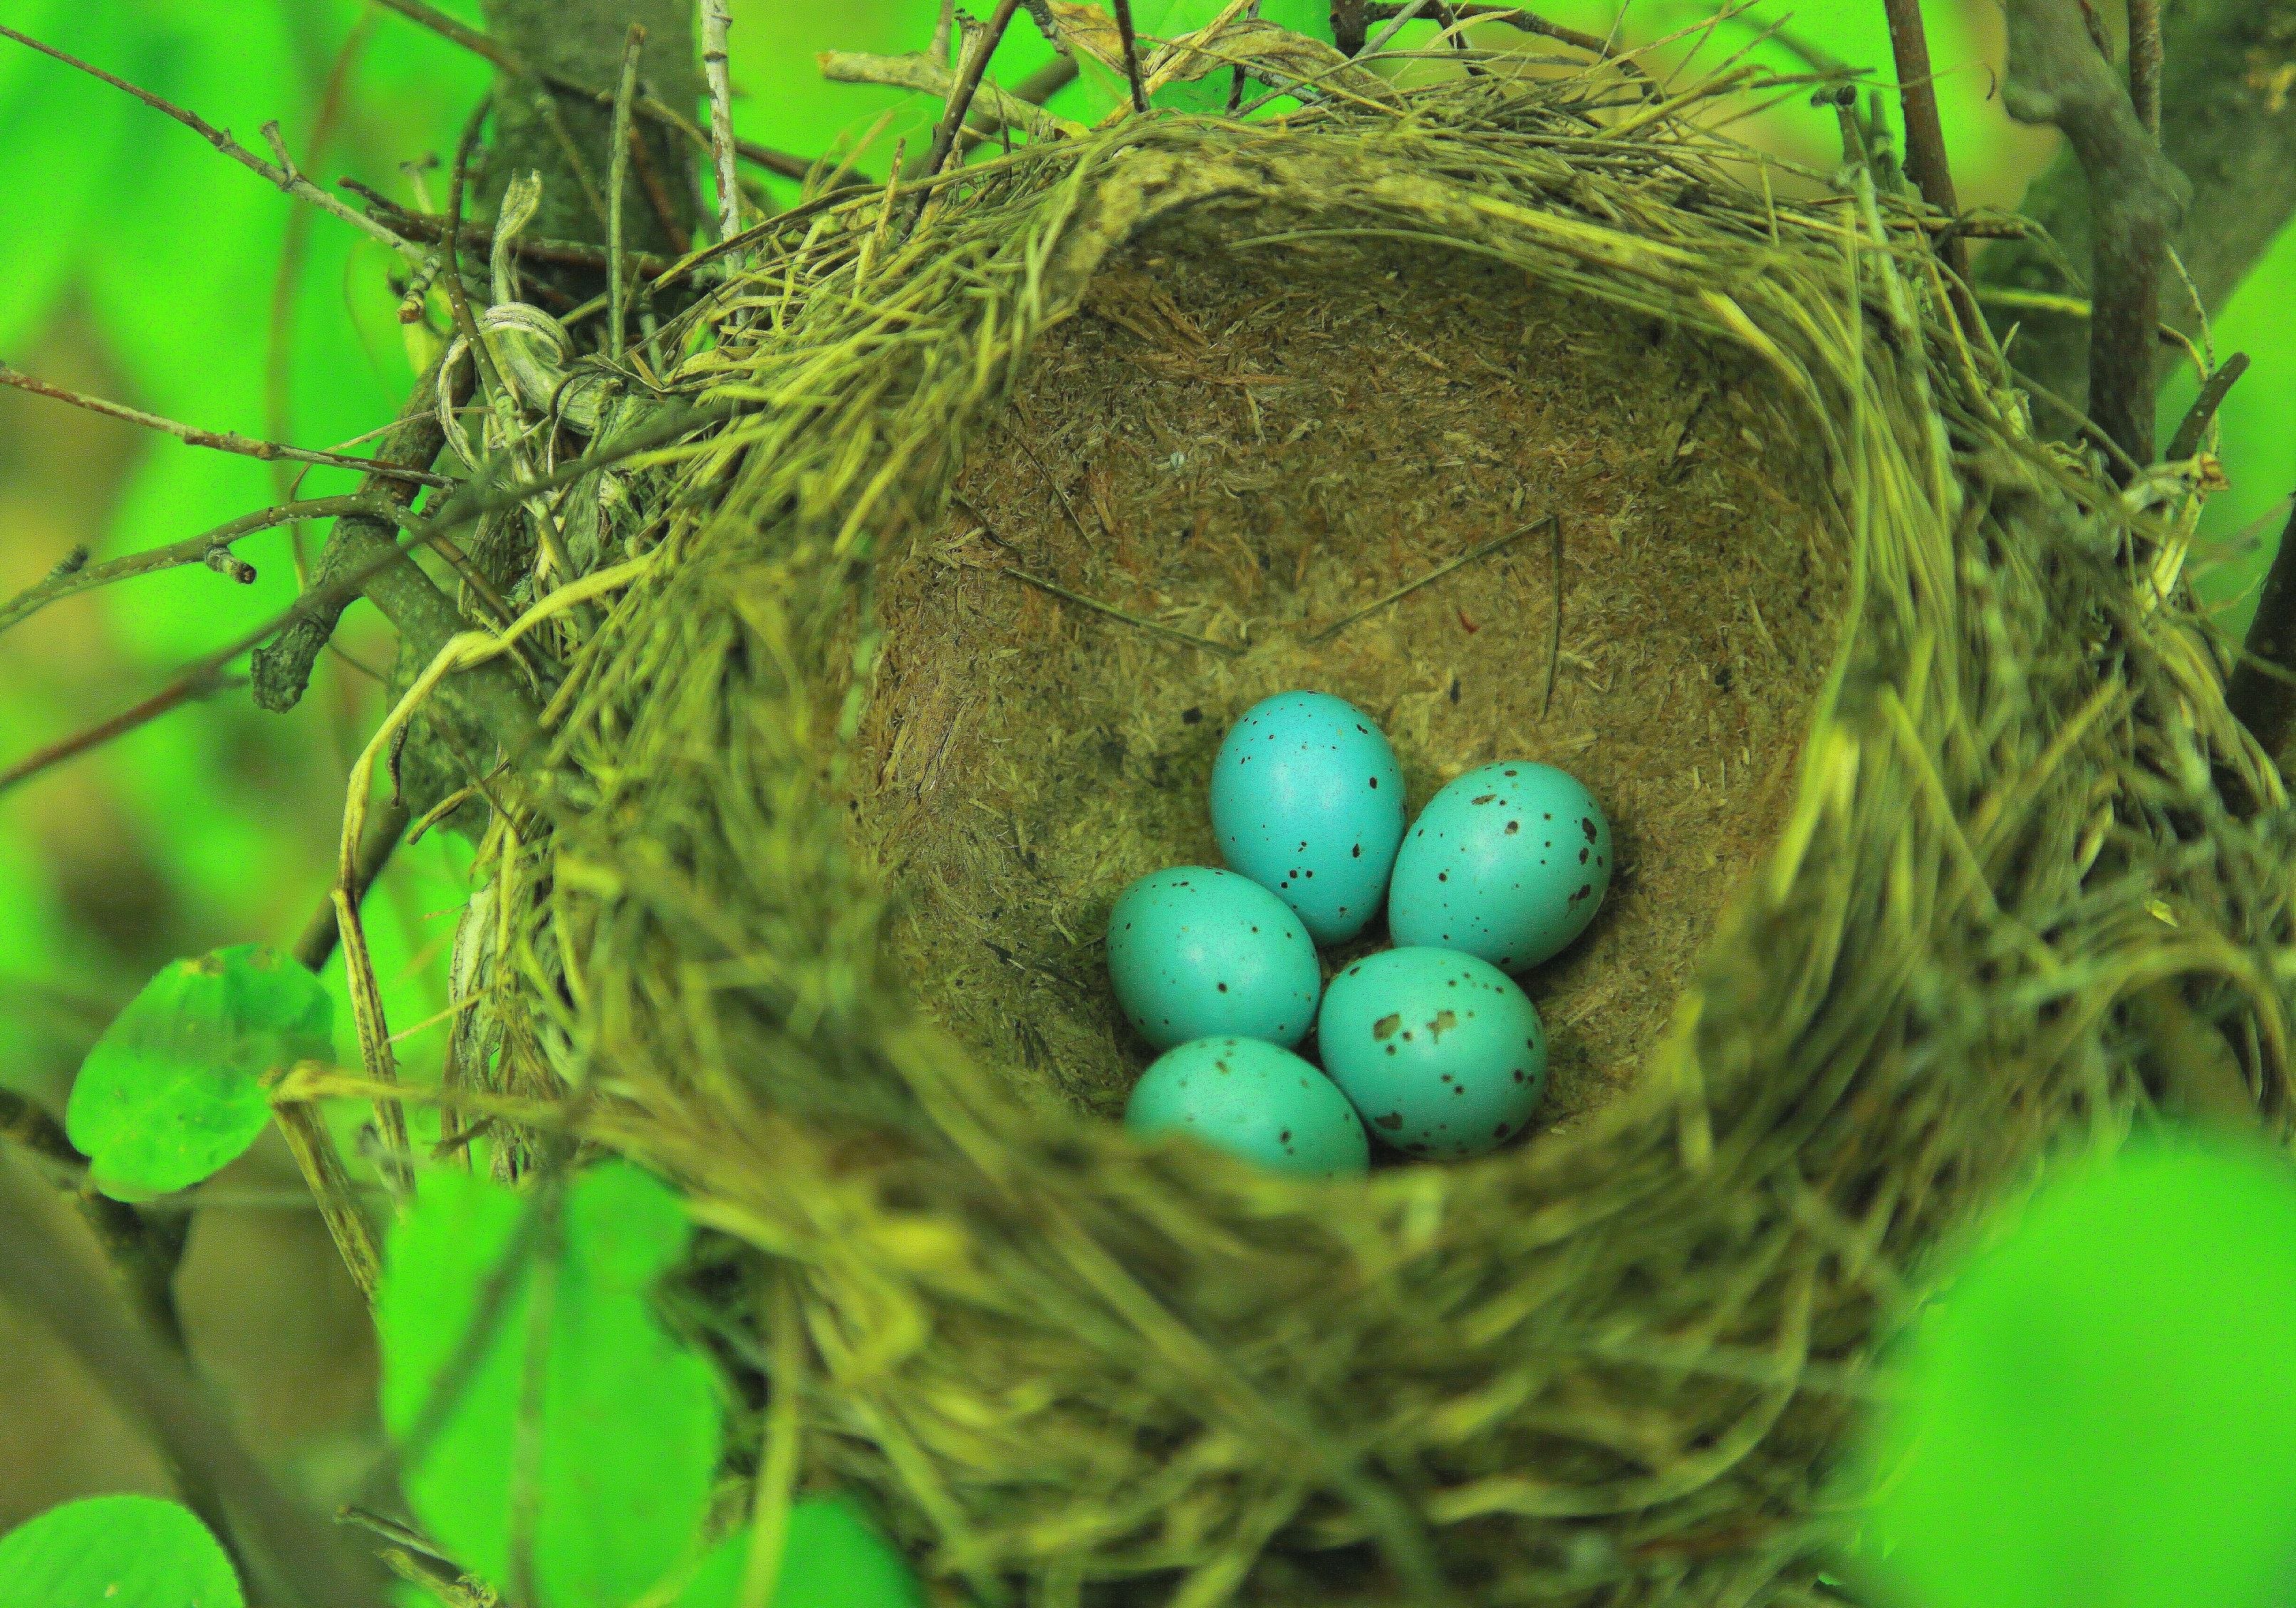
[1508,863]
[1307,802]
[1441,1053]
[1251,1099]
[1195,952]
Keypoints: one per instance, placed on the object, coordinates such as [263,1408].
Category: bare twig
[617,182]
[219,440]
[2187,441]
[430,229]
[979,46]
[1224,650]
[1325,632]
[2145,63]
[1925,156]
[42,1278]
[1131,54]
[65,581]
[716,22]
[2137,198]
[316,945]
[991,104]
[293,184]
[188,688]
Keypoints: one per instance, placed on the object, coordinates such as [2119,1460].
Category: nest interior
[1252,444]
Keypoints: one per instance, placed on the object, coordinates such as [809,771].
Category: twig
[657,194]
[2187,441]
[510,61]
[1324,633]
[1403,14]
[316,945]
[1925,155]
[293,184]
[716,22]
[617,182]
[934,77]
[1034,90]
[2262,695]
[2145,63]
[42,1278]
[1224,650]
[65,581]
[2138,198]
[1131,54]
[978,48]
[192,435]
[282,670]
[1554,646]
[475,500]
[430,229]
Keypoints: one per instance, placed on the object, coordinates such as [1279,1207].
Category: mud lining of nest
[1609,1366]
[1251,445]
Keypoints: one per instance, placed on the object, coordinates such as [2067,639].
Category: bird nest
[1917,749]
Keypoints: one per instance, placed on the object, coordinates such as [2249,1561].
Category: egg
[1508,863]
[1308,802]
[1251,1099]
[1195,952]
[1441,1053]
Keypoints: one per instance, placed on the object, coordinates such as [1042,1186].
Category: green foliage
[172,1091]
[832,1558]
[115,1552]
[2099,1410]
[577,1384]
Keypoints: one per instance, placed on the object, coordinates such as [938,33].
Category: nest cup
[838,798]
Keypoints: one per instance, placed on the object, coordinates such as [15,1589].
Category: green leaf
[2099,1412]
[627,1437]
[172,1091]
[833,1558]
[115,1552]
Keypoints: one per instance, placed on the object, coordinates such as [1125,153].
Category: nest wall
[1612,1366]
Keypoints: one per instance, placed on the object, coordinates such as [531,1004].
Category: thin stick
[1327,632]
[657,194]
[2187,441]
[1131,54]
[42,1278]
[430,229]
[617,182]
[2144,57]
[293,184]
[716,22]
[316,945]
[65,580]
[1066,507]
[1925,156]
[1555,647]
[979,49]
[1403,14]
[225,441]
[474,501]
[1223,649]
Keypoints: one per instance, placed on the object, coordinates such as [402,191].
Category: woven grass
[1607,1366]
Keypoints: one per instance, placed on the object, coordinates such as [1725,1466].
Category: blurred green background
[137,263]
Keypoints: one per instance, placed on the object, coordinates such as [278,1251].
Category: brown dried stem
[1131,54]
[294,183]
[979,46]
[1925,155]
[192,435]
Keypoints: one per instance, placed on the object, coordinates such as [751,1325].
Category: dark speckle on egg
[1391,1122]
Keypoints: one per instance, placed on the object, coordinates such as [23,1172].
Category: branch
[1925,156]
[934,79]
[2137,198]
[979,45]
[716,23]
[1131,54]
[294,183]
[192,435]
[68,579]
[42,1278]
[2263,690]
[316,945]
[2227,122]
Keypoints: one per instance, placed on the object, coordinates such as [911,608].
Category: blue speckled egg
[1441,1052]
[1254,1100]
[1195,952]
[1509,862]
[1307,802]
